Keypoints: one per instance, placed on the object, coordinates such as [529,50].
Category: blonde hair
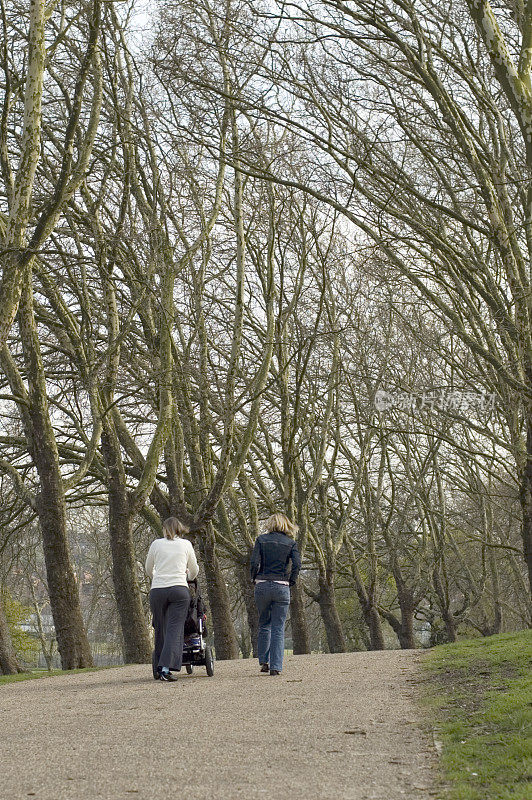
[280,522]
[173,527]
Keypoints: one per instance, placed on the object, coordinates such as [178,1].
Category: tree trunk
[525,497]
[405,633]
[450,627]
[329,614]
[497,607]
[225,640]
[8,660]
[373,621]
[249,601]
[447,617]
[137,647]
[298,621]
[494,574]
[404,627]
[72,639]
[46,649]
[244,643]
[367,604]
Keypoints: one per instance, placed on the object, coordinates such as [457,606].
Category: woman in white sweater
[171,561]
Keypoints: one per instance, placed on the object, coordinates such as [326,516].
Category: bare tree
[22,235]
[426,156]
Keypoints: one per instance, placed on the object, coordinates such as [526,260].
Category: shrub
[26,646]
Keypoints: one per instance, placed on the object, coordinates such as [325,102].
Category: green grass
[44,673]
[481,695]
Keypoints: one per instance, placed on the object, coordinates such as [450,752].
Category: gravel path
[342,727]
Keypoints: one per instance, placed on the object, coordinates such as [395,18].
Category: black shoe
[157,675]
[166,676]
[275,672]
[264,667]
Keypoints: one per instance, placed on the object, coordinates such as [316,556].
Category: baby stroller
[196,653]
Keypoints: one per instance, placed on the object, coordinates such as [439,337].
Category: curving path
[331,726]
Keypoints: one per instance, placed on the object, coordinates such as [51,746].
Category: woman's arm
[254,563]
[192,563]
[296,564]
[150,560]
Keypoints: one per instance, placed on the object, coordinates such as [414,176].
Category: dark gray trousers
[169,607]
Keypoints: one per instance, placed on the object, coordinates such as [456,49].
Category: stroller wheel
[189,668]
[209,661]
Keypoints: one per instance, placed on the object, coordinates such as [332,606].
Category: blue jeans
[272,601]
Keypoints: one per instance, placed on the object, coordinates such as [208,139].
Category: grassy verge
[44,673]
[481,693]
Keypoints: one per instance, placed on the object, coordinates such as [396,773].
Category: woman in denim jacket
[273,576]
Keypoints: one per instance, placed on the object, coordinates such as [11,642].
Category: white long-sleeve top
[170,562]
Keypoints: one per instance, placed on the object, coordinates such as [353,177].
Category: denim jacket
[270,557]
